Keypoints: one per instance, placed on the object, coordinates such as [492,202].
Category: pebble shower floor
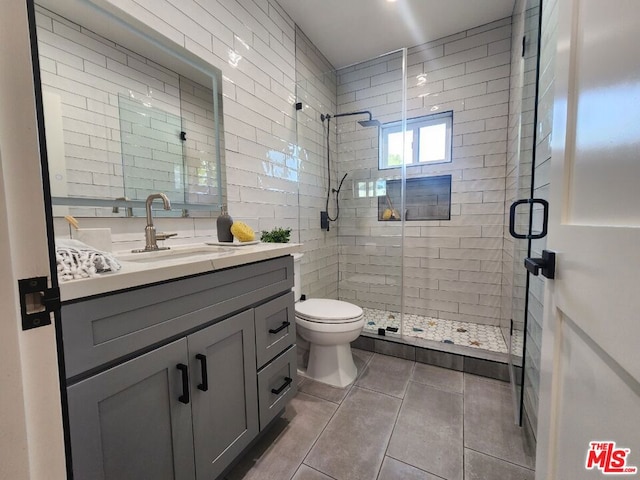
[486,337]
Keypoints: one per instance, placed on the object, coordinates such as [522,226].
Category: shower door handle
[545,218]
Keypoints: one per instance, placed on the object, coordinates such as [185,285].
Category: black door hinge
[524,44]
[37,301]
[546,264]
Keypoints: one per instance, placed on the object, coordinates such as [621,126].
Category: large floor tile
[489,425]
[428,433]
[438,377]
[478,466]
[393,469]
[279,453]
[352,446]
[308,473]
[388,375]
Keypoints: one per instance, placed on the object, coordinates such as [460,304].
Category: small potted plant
[277,235]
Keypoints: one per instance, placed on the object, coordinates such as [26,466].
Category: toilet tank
[297,278]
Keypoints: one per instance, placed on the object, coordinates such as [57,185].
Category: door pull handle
[545,218]
[204,386]
[184,398]
[546,264]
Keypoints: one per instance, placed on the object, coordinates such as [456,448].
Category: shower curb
[453,361]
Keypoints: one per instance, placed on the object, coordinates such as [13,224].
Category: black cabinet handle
[204,386]
[284,325]
[287,382]
[184,398]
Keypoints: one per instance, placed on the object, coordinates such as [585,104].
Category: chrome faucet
[150,235]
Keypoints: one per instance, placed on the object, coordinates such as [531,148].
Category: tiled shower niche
[427,198]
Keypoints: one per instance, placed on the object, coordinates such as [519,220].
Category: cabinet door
[128,422]
[225,404]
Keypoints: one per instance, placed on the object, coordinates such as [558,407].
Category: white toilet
[325,329]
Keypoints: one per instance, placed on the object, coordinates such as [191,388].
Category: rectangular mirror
[123,122]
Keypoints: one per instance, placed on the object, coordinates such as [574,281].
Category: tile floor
[400,420]
[486,337]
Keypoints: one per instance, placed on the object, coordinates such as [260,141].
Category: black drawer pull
[287,382]
[184,398]
[284,325]
[204,386]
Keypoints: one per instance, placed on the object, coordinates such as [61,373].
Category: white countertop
[180,261]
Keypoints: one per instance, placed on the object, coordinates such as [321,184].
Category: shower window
[428,140]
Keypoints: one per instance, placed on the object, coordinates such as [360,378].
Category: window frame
[414,125]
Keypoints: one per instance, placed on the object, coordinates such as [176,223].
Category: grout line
[464,473]
[376,391]
[329,421]
[410,379]
[413,466]
[319,398]
[500,459]
[440,389]
[316,470]
[395,423]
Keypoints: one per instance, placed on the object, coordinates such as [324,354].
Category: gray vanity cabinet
[163,381]
[127,423]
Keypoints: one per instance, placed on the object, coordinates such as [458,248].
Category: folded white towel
[78,260]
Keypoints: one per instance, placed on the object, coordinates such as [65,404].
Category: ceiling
[351,31]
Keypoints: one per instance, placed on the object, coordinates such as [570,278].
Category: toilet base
[332,364]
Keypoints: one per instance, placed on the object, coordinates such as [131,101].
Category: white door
[590,366]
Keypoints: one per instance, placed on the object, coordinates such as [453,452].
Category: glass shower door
[521,177]
[370,226]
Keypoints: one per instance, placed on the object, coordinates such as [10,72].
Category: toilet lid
[328,311]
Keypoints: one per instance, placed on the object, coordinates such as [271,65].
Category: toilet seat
[328,311]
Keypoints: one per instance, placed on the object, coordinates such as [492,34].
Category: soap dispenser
[223,225]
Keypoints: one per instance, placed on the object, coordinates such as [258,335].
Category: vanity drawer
[275,327]
[277,384]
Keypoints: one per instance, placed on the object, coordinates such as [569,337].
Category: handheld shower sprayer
[325,219]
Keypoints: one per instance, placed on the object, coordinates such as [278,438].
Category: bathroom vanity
[175,378]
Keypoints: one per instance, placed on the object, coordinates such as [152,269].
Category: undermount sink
[176,253]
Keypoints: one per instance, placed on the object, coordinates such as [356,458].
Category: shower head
[365,123]
[369,123]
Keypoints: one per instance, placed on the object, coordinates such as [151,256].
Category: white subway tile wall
[316,90]
[452,268]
